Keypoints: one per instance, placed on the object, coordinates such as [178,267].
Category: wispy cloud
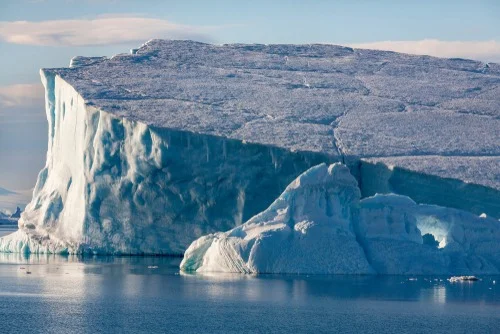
[106,30]
[480,50]
[21,95]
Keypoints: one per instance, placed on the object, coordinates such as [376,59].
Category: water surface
[149,295]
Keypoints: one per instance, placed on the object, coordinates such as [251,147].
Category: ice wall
[410,176]
[114,185]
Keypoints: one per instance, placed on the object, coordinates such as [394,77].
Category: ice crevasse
[319,225]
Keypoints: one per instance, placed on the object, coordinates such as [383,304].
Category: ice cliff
[151,150]
[319,225]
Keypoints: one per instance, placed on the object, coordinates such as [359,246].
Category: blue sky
[37,33]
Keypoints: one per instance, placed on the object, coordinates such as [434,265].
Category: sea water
[58,294]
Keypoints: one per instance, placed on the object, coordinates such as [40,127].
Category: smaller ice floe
[152,267]
[307,230]
[455,279]
[320,225]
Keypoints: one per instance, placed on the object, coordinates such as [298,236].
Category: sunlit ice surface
[55,294]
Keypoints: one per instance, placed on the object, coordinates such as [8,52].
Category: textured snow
[319,225]
[302,97]
[151,150]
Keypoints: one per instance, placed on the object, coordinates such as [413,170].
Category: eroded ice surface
[320,225]
[151,150]
[308,229]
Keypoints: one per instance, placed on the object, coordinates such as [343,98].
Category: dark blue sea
[58,294]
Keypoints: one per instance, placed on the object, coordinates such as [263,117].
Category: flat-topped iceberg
[319,225]
[151,150]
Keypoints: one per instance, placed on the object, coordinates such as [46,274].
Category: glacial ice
[151,150]
[319,225]
[308,229]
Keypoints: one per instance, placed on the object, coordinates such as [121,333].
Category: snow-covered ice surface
[320,98]
[150,150]
[319,225]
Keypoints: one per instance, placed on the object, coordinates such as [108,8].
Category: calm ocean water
[149,295]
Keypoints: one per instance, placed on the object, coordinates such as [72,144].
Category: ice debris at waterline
[456,279]
[319,225]
[151,150]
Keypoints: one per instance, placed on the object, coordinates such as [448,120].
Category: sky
[36,34]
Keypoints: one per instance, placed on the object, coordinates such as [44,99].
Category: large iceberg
[151,150]
[319,225]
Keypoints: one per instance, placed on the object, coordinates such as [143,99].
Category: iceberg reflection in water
[149,294]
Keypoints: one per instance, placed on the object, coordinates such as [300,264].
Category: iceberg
[319,225]
[456,279]
[153,149]
[308,229]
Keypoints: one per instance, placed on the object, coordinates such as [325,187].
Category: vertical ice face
[114,185]
[308,229]
[426,180]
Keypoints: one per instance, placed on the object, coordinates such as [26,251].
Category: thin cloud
[480,50]
[99,31]
[21,95]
